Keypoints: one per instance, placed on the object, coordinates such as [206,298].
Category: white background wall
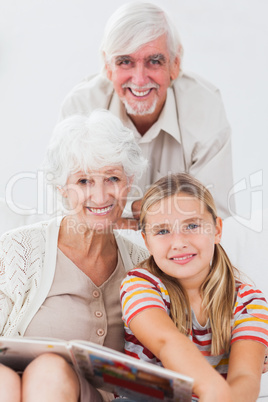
[48,46]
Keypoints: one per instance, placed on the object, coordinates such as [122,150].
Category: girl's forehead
[181,203]
[178,208]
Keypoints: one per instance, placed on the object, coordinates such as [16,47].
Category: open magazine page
[18,352]
[123,375]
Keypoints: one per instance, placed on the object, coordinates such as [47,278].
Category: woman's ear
[62,191]
[130,182]
[218,232]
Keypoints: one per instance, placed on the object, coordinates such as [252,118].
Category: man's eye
[155,61]
[124,62]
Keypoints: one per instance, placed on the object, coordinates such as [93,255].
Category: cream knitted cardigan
[27,267]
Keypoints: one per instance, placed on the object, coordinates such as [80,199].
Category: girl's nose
[179,241]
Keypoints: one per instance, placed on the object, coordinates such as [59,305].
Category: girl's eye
[163,232]
[192,226]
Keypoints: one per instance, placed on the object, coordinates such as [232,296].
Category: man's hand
[127,223]
[136,209]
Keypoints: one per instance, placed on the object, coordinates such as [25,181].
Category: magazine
[105,368]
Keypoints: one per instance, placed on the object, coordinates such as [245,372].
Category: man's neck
[143,123]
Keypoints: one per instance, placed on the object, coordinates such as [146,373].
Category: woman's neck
[94,253]
[78,236]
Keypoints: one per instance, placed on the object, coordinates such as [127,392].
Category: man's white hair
[133,25]
[82,143]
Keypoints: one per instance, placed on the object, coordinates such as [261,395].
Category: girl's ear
[145,241]
[218,231]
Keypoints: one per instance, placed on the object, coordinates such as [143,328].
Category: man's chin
[140,108]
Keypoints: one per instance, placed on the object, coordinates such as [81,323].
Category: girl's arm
[245,369]
[156,331]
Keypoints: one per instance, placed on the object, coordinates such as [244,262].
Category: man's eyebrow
[158,56]
[122,58]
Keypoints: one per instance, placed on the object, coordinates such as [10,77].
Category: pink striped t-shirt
[142,290]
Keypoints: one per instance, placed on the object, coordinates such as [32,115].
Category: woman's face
[180,233]
[97,198]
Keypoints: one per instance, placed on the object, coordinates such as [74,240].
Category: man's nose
[139,74]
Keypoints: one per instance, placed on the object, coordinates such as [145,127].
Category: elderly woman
[61,278]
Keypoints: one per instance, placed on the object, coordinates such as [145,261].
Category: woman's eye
[113,179]
[83,181]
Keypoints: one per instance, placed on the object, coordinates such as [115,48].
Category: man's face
[141,79]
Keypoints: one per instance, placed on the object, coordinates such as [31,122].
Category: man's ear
[109,72]
[108,68]
[218,232]
[175,68]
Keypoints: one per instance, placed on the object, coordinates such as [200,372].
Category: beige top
[76,308]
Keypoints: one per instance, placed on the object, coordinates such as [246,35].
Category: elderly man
[178,119]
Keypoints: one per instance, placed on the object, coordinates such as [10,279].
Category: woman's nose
[99,195]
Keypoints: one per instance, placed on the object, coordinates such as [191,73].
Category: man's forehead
[156,46]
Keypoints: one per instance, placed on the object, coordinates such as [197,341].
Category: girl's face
[97,198]
[180,234]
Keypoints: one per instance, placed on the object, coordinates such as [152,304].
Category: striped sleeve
[141,290]
[250,315]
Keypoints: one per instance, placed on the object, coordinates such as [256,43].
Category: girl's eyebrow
[154,228]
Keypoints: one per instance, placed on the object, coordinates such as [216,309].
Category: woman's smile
[100,210]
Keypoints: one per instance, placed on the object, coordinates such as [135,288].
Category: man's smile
[100,211]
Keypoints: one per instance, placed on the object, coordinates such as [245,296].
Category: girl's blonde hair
[218,289]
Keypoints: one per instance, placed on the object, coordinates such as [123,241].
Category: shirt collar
[167,121]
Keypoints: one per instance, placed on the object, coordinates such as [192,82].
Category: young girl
[187,296]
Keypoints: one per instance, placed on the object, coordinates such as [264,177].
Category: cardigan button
[100,332]
[98,314]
